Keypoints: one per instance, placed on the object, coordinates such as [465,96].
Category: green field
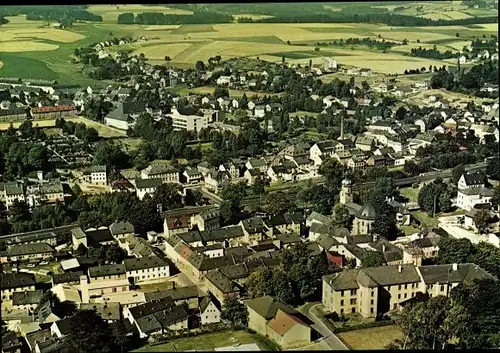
[210,341]
[30,50]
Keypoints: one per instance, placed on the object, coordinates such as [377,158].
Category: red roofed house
[335,258]
[53,111]
[176,225]
[280,322]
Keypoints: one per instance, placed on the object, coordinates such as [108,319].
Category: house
[322,149]
[330,64]
[146,269]
[192,175]
[26,300]
[356,163]
[220,285]
[468,198]
[180,295]
[30,252]
[99,237]
[280,173]
[471,180]
[61,328]
[259,164]
[364,219]
[107,272]
[157,317]
[210,309]
[188,122]
[123,116]
[176,225]
[215,180]
[146,186]
[120,229]
[260,111]
[278,321]
[365,143]
[374,291]
[10,192]
[251,176]
[224,80]
[96,175]
[11,343]
[164,172]
[109,312]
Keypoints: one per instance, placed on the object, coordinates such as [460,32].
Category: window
[341,311]
[395,306]
[399,296]
[353,310]
[341,303]
[405,295]
[353,291]
[442,287]
[399,287]
[371,302]
[373,293]
[341,293]
[353,301]
[406,286]
[371,310]
[389,288]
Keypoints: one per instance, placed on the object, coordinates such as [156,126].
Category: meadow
[30,50]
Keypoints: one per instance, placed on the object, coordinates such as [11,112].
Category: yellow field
[22,46]
[403,33]
[371,338]
[158,52]
[58,35]
[110,13]
[493,27]
[458,45]
[446,15]
[161,27]
[407,48]
[39,123]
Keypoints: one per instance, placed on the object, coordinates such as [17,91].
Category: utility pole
[434,207]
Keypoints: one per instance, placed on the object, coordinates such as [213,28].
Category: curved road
[329,337]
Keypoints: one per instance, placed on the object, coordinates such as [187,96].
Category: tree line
[158,18]
[433,53]
[51,12]
[470,81]
[379,44]
[388,19]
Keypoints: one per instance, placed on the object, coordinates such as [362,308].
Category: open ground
[104,131]
[23,43]
[209,341]
[371,338]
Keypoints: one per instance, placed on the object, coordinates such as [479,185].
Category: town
[249,204]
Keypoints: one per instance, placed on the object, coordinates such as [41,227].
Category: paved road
[330,339]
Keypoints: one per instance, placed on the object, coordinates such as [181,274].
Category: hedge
[363,326]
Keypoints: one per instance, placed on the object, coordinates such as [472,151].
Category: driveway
[330,339]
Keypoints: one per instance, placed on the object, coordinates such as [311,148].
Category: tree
[453,250]
[278,203]
[342,218]
[200,65]
[258,284]
[89,333]
[423,324]
[493,168]
[481,220]
[495,200]
[168,58]
[109,154]
[99,254]
[235,312]
[115,254]
[456,173]
[258,187]
[373,259]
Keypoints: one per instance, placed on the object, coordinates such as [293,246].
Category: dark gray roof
[485,192]
[26,298]
[445,273]
[107,311]
[107,270]
[147,183]
[254,225]
[344,280]
[38,336]
[367,212]
[123,110]
[144,263]
[190,237]
[151,307]
[390,275]
[476,178]
[267,307]
[17,280]
[161,320]
[99,235]
[120,227]
[29,249]
[181,293]
[210,298]
[66,277]
[219,280]
[222,233]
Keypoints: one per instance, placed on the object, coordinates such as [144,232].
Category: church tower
[346,192]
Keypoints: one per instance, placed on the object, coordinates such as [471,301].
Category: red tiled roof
[58,108]
[283,322]
[178,222]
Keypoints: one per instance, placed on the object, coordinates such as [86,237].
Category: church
[364,216]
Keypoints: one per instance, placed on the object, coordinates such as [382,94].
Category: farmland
[46,52]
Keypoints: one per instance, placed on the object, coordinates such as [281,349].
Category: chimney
[400,268]
[455,267]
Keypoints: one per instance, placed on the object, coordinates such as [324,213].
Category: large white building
[96,175]
[469,197]
[147,269]
[188,122]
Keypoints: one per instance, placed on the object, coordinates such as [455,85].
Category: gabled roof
[474,178]
[120,227]
[143,263]
[17,280]
[210,298]
[221,282]
[107,270]
[29,249]
[446,274]
[367,212]
[267,307]
[284,322]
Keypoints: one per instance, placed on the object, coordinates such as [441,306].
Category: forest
[158,18]
[469,82]
[51,12]
[433,53]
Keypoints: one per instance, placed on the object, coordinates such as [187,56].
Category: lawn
[409,230]
[425,219]
[187,29]
[209,341]
[104,131]
[39,123]
[129,143]
[31,68]
[410,193]
[371,338]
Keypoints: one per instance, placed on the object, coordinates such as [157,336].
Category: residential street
[330,339]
